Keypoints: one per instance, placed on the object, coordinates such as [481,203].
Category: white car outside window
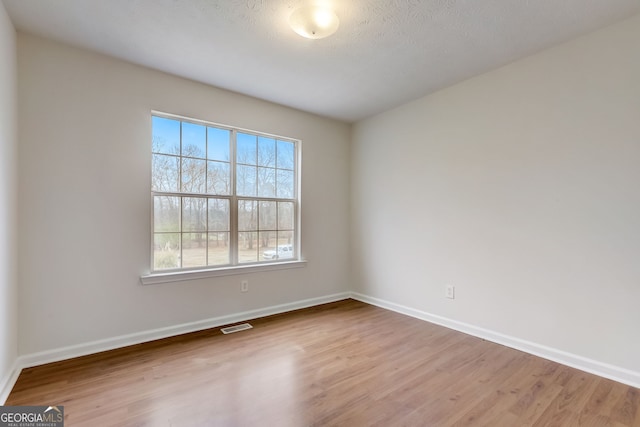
[283,251]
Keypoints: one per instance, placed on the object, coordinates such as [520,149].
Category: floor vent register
[236,328]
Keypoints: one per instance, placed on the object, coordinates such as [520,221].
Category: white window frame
[234,267]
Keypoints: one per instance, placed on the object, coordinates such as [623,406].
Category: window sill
[181,276]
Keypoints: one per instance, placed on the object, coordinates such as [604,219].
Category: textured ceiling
[385,52]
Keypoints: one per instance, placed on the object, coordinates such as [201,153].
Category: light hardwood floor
[340,364]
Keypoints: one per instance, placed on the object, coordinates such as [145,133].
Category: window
[221,196]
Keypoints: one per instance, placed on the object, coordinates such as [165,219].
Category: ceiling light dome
[314,22]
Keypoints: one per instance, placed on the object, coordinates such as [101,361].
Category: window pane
[218,144]
[194,214]
[166,251]
[166,213]
[247,215]
[218,215]
[194,140]
[285,184]
[194,250]
[165,135]
[193,176]
[286,153]
[218,177]
[247,247]
[246,148]
[285,216]
[267,245]
[246,180]
[267,215]
[266,182]
[266,152]
[218,249]
[164,173]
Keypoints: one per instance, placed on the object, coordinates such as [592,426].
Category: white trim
[221,125]
[591,366]
[92,347]
[605,370]
[7,383]
[181,276]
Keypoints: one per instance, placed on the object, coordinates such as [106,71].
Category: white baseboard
[55,355]
[7,383]
[601,369]
[615,373]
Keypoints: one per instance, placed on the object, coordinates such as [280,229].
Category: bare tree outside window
[221,197]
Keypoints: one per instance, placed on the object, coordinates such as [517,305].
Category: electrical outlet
[450,291]
[244,286]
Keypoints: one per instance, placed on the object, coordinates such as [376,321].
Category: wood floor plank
[624,412]
[596,399]
[340,364]
[494,396]
[570,401]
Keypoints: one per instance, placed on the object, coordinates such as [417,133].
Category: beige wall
[85,135]
[8,202]
[521,188]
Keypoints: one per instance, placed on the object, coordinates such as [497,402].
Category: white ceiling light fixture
[314,22]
